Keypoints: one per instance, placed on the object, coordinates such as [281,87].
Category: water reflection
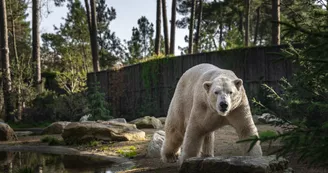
[28,162]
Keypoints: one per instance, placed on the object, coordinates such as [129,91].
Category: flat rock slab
[55,128]
[23,133]
[81,132]
[235,164]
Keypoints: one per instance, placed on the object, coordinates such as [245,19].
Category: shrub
[70,107]
[303,106]
[97,104]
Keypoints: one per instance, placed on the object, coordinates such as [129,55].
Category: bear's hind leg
[171,146]
[208,145]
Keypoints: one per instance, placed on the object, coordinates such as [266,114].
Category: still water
[30,162]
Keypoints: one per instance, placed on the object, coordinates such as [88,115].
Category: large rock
[155,145]
[55,128]
[147,122]
[120,120]
[85,118]
[267,118]
[162,119]
[1,120]
[240,164]
[7,133]
[81,132]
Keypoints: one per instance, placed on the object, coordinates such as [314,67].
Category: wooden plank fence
[147,88]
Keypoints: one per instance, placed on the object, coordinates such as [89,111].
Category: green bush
[302,106]
[97,104]
[24,170]
[50,106]
[70,107]
[42,108]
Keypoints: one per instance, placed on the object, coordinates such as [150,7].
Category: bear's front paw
[171,158]
[206,155]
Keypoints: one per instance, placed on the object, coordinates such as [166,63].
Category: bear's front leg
[246,133]
[208,145]
[192,143]
[242,121]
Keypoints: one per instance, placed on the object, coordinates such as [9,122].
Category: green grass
[129,152]
[51,140]
[93,143]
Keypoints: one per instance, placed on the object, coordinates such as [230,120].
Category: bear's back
[204,72]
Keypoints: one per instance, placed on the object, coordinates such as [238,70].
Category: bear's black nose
[223,106]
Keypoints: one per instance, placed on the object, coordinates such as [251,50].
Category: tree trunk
[221,35]
[165,25]
[199,21]
[173,20]
[6,78]
[261,38]
[191,26]
[94,44]
[36,44]
[241,22]
[247,9]
[158,28]
[19,72]
[221,28]
[275,24]
[257,25]
[87,9]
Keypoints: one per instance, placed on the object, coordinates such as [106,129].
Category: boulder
[162,119]
[267,118]
[81,132]
[147,122]
[241,164]
[55,128]
[155,145]
[85,118]
[7,133]
[1,120]
[120,120]
[256,119]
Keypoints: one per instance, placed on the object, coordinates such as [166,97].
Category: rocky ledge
[238,164]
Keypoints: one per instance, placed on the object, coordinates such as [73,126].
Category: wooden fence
[147,88]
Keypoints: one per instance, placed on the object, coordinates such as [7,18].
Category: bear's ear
[207,85]
[238,83]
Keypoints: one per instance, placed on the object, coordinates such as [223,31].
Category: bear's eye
[216,92]
[230,92]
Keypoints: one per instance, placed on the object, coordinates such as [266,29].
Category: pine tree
[110,48]
[36,43]
[173,26]
[158,28]
[6,78]
[165,28]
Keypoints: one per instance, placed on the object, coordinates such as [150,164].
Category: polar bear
[205,99]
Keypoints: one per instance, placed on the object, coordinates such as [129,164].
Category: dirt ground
[225,144]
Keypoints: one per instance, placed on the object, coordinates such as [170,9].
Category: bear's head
[223,94]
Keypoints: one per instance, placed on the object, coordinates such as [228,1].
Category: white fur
[195,113]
